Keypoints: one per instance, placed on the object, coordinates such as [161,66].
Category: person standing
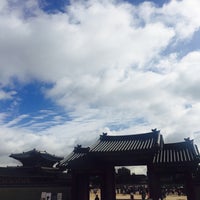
[143,193]
[131,196]
[97,197]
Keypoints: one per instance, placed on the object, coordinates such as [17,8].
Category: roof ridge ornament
[188,140]
[77,147]
[103,136]
[155,130]
[80,149]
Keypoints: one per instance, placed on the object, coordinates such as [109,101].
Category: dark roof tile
[124,143]
[182,152]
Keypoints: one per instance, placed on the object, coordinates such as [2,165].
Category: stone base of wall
[34,193]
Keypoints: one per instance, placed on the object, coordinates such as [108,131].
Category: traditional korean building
[36,158]
[36,177]
[163,160]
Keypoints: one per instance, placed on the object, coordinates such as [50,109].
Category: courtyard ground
[138,197]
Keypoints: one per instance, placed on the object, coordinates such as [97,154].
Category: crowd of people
[143,191]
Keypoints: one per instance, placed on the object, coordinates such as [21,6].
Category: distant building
[123,171]
[36,158]
[33,180]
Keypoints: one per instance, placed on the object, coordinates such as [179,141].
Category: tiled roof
[34,157]
[123,143]
[174,153]
[115,144]
[78,153]
[134,149]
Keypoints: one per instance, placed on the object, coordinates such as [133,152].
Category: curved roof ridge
[105,136]
[36,158]
[176,144]
[134,142]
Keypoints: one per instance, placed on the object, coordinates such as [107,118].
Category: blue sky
[71,70]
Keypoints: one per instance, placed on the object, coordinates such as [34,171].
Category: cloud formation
[112,66]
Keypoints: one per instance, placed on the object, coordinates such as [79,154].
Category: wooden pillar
[80,186]
[108,184]
[189,186]
[154,183]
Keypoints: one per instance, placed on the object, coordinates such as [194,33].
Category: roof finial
[188,140]
[80,149]
[155,130]
[78,146]
[103,136]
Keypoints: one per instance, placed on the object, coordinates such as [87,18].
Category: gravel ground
[138,197]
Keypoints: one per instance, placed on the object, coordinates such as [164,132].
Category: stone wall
[33,193]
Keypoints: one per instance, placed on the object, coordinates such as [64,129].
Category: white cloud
[187,81]
[182,16]
[6,95]
[3,4]
[109,63]
[16,120]
[185,14]
[100,40]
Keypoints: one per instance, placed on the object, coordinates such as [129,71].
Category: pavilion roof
[110,148]
[134,150]
[177,153]
[127,143]
[36,158]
